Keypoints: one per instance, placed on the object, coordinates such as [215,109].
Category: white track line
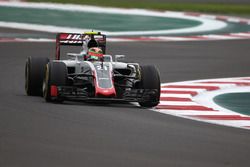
[206,24]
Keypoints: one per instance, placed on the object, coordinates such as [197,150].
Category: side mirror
[119,58]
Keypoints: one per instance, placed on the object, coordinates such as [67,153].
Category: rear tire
[56,75]
[150,79]
[34,72]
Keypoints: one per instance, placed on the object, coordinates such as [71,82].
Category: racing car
[81,78]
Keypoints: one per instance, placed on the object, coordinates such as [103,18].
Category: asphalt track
[38,134]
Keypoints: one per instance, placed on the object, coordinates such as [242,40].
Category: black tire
[34,72]
[150,79]
[55,74]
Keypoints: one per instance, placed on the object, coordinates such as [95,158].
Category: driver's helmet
[94,54]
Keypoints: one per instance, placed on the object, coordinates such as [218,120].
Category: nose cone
[110,92]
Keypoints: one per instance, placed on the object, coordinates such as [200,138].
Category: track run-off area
[122,24]
[195,68]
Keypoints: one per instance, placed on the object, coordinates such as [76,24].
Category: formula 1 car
[79,79]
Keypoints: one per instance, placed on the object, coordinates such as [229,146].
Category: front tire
[34,72]
[55,75]
[150,79]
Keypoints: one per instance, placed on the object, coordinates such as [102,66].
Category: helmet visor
[93,58]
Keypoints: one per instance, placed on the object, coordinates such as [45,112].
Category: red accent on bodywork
[100,92]
[103,92]
[65,36]
[53,91]
[57,47]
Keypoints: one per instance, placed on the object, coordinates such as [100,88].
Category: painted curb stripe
[224,82]
[172,107]
[174,99]
[192,93]
[208,88]
[178,103]
[222,117]
[219,17]
[26,40]
[186,100]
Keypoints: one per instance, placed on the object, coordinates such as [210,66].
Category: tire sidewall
[34,73]
[55,74]
[150,79]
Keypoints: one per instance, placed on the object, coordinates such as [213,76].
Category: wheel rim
[46,82]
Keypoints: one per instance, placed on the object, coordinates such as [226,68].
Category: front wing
[133,95]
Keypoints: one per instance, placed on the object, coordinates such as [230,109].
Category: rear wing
[86,40]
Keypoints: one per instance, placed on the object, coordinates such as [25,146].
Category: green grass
[241,9]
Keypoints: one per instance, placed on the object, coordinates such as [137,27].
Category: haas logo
[72,38]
